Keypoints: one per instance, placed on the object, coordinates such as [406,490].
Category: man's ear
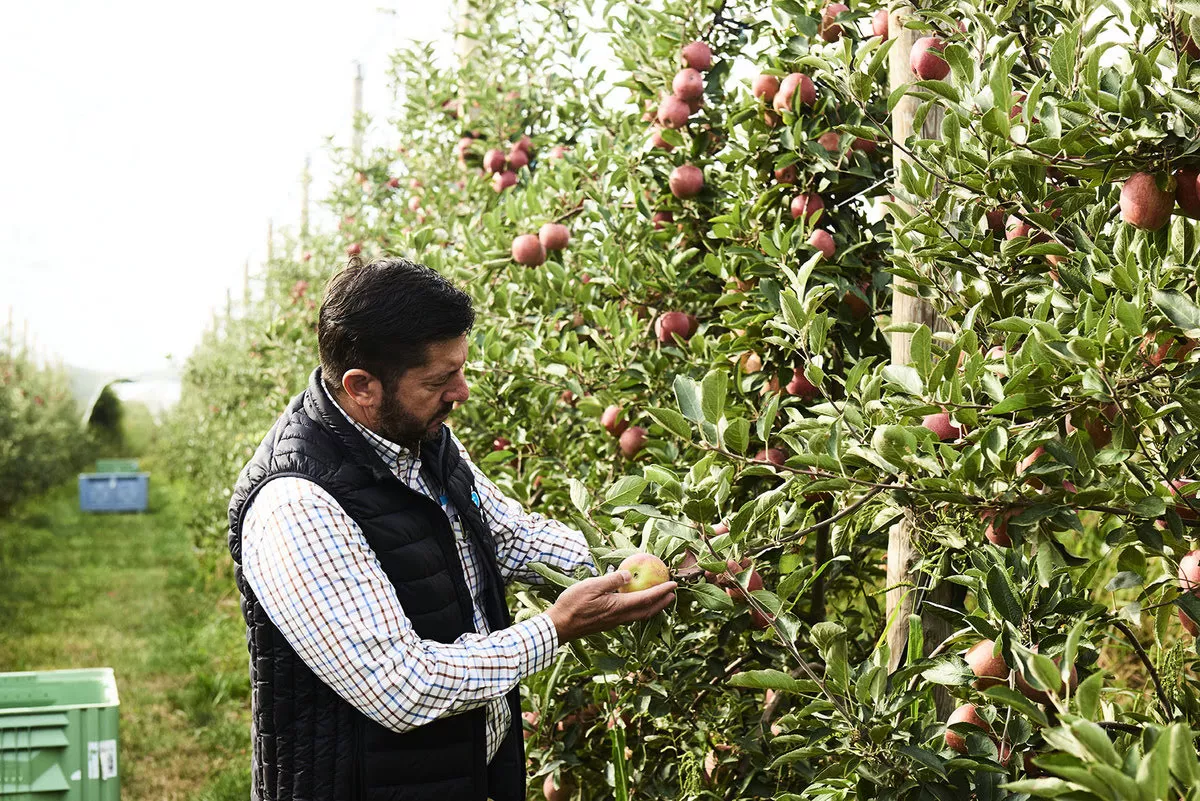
[364,389]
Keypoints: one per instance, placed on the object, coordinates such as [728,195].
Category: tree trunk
[902,598]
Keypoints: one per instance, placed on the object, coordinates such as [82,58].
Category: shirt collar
[392,454]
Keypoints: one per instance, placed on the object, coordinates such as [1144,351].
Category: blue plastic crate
[114,492]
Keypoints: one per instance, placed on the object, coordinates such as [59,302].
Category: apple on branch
[646,571]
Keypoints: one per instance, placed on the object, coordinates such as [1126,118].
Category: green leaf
[713,390]
[1003,595]
[1003,694]
[671,420]
[1180,310]
[904,377]
[950,671]
[710,597]
[737,435]
[771,680]
[581,499]
[1087,695]
[1062,57]
[626,491]
[687,393]
[767,418]
[553,576]
[1096,742]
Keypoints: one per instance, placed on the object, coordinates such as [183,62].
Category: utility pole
[358,110]
[903,582]
[305,184]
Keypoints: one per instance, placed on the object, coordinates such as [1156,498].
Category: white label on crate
[108,759]
[93,760]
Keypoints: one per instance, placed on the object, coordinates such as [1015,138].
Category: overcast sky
[146,144]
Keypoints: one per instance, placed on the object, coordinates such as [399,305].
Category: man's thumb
[615,580]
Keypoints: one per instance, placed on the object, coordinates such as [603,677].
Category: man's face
[413,410]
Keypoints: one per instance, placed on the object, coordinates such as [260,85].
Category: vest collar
[325,411]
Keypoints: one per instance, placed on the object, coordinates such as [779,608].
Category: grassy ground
[125,591]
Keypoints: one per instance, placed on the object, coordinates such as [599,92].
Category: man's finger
[611,582]
[641,601]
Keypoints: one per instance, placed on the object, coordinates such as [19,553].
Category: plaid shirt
[318,580]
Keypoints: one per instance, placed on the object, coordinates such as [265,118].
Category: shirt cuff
[539,640]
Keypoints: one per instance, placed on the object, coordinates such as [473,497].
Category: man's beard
[397,425]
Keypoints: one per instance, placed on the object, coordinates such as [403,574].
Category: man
[371,556]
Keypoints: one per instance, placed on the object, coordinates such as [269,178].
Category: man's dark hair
[381,317]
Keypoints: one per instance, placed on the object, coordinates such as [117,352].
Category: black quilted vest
[311,745]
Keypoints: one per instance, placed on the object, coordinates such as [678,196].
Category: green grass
[127,592]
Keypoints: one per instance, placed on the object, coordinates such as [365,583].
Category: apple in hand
[646,570]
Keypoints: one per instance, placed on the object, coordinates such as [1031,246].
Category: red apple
[1155,354]
[750,362]
[1187,192]
[786,175]
[939,423]
[828,29]
[830,141]
[613,422]
[806,205]
[527,249]
[1028,462]
[1040,696]
[857,306]
[414,203]
[1189,625]
[801,386]
[661,218]
[493,160]
[989,669]
[879,24]
[823,241]
[865,145]
[657,140]
[632,441]
[553,791]
[500,444]
[647,571]
[1189,572]
[1143,204]
[671,323]
[688,84]
[353,249]
[753,583]
[530,718]
[673,112]
[517,158]
[503,180]
[525,144]
[393,183]
[1098,427]
[926,60]
[765,86]
[997,526]
[1181,501]
[788,87]
[776,456]
[686,181]
[964,714]
[554,236]
[697,55]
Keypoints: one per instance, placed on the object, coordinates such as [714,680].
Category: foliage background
[1048,108]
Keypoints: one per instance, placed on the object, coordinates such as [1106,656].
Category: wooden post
[358,110]
[305,184]
[464,46]
[246,287]
[901,579]
[270,241]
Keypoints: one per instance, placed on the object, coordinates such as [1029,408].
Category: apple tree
[692,233]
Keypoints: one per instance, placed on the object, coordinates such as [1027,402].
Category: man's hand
[594,605]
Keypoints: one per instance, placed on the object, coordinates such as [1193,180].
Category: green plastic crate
[116,465]
[58,736]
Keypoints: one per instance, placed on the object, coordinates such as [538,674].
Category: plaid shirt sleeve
[524,537]
[318,580]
